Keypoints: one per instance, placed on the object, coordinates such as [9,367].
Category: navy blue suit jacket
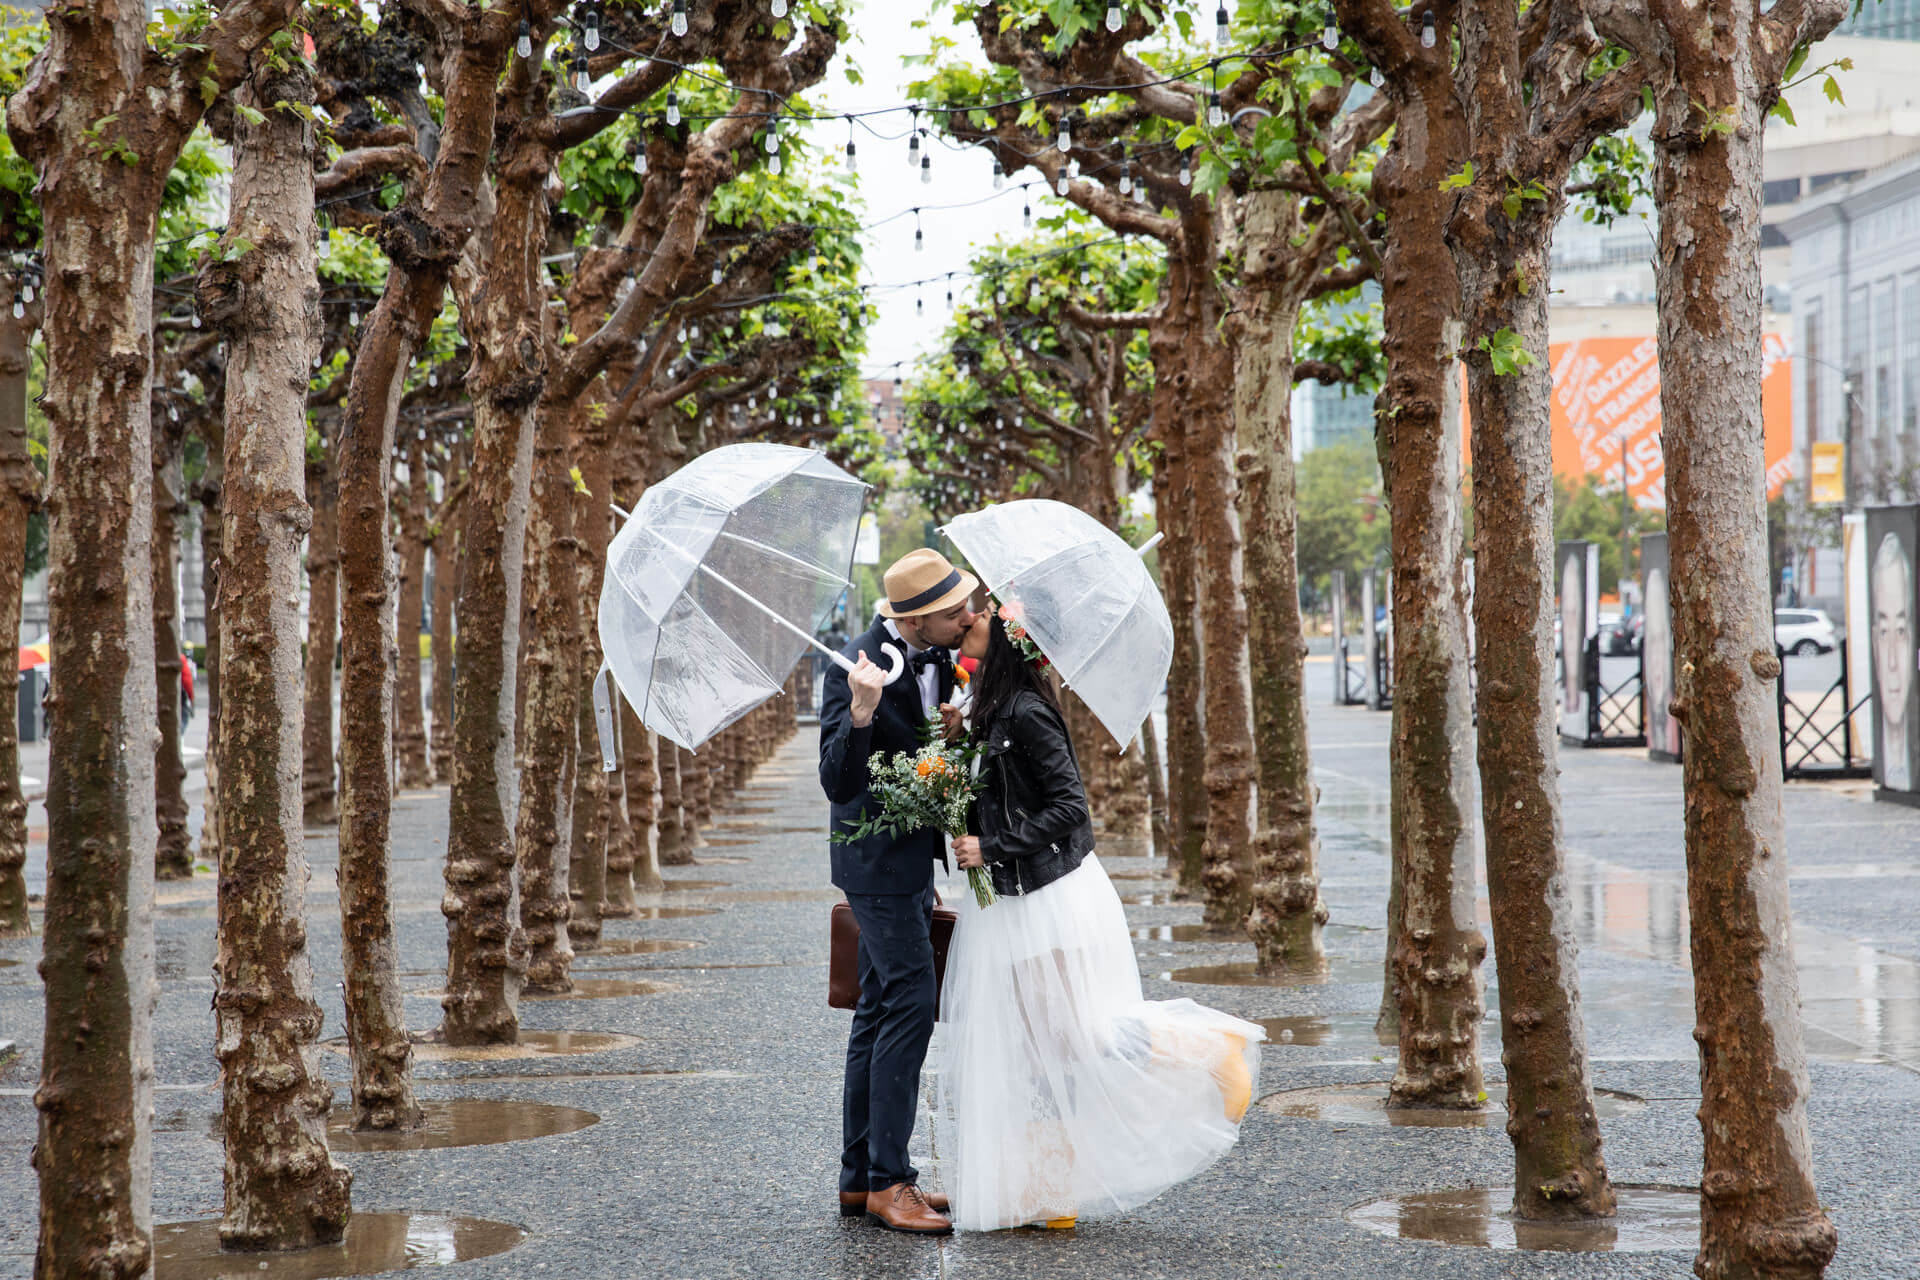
[878,864]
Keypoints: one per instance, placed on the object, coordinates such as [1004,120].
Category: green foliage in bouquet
[915,790]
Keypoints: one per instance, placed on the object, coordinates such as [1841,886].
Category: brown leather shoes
[904,1207]
[853,1204]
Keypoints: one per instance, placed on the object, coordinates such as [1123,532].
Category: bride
[1062,1093]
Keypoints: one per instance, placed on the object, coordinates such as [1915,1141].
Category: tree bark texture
[1186,737]
[486,948]
[20,497]
[593,786]
[212,430]
[1760,1215]
[1286,910]
[173,854]
[1502,260]
[319,789]
[283,1190]
[410,713]
[645,759]
[673,846]
[446,587]
[1156,782]
[1436,953]
[93,94]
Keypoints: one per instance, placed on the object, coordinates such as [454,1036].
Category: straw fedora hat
[924,582]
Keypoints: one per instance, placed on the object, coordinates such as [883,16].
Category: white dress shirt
[929,679]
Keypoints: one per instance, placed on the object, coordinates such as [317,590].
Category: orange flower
[924,768]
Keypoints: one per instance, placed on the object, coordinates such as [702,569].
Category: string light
[999,176]
[1330,38]
[913,141]
[853,165]
[926,170]
[640,157]
[1221,36]
[591,33]
[673,108]
[779,8]
[1065,142]
[1375,79]
[523,40]
[1186,167]
[19,307]
[679,23]
[1216,115]
[773,136]
[1427,35]
[582,80]
[1113,17]
[919,238]
[1061,184]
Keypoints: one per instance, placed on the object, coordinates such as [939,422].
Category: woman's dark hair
[1004,672]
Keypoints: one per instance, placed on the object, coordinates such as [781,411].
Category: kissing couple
[1062,1093]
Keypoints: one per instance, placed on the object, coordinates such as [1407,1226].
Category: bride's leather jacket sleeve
[1033,801]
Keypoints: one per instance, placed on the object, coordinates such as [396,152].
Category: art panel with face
[1890,596]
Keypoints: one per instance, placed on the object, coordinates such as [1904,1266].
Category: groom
[889,883]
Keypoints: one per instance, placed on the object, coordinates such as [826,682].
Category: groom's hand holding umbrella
[865,681]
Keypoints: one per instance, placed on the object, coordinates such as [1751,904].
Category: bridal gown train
[1062,1092]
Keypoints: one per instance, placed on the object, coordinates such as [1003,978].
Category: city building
[888,408]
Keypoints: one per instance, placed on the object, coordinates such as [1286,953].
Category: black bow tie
[927,658]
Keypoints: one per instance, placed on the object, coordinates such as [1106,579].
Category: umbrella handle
[896,662]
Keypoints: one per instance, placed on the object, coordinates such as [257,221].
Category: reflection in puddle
[1366,1103]
[1344,1031]
[1243,974]
[1156,898]
[1206,933]
[719,861]
[1650,1218]
[672,913]
[184,958]
[751,809]
[691,886]
[785,895]
[462,1122]
[634,947]
[374,1242]
[597,989]
[429,1047]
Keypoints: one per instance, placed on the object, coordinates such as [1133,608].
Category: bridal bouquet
[931,787]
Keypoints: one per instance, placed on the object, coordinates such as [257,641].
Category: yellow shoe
[1235,1081]
[1061,1224]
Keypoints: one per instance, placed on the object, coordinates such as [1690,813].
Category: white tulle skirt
[1060,1092]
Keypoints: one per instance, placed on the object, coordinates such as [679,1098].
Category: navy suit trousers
[891,1027]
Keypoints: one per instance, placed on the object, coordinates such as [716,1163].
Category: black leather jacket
[1031,815]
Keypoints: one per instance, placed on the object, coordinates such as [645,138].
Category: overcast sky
[882,34]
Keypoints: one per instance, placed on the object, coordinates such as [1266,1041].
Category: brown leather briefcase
[843,954]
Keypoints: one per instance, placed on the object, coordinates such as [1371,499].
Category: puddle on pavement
[9,964]
[1650,1218]
[1243,974]
[736,830]
[597,989]
[671,913]
[582,1077]
[429,1047]
[375,1242]
[184,958]
[786,895]
[1341,1031]
[719,861]
[690,886]
[1366,1104]
[1207,933]
[462,1122]
[1140,875]
[634,947]
[1156,898]
[732,842]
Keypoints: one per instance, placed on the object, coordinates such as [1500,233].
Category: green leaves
[1461,177]
[1518,194]
[251,115]
[1506,353]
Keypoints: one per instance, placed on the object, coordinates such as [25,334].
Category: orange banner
[1606,398]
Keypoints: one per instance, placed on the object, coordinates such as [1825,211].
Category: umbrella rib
[1108,634]
[819,571]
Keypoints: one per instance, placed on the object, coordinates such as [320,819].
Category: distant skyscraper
[1884,20]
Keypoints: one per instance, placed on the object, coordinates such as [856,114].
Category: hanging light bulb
[694,331]
[913,139]
[1065,141]
[919,306]
[26,291]
[582,80]
[19,307]
[999,176]
[353,316]
[640,158]
[1026,216]
[779,8]
[1427,34]
[1186,169]
[896,384]
[1216,115]
[673,107]
[591,33]
[1330,38]
[773,136]
[773,165]
[173,413]
[683,334]
[523,40]
[1060,187]
[326,235]
[1073,168]
[1375,79]
[926,170]
[719,273]
[196,319]
[1086,277]
[919,240]
[679,24]
[1113,16]
[1140,193]
[949,297]
[433,380]
[1220,22]
[853,166]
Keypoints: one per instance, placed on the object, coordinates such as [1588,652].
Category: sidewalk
[717,1143]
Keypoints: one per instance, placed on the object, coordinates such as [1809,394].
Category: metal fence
[1818,741]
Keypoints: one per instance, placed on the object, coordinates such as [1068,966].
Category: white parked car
[1803,631]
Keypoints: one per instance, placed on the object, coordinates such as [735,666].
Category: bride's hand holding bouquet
[931,787]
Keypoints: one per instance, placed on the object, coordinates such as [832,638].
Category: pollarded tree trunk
[1186,737]
[19,497]
[1287,911]
[212,429]
[1436,954]
[320,797]
[593,786]
[1760,1215]
[645,758]
[673,845]
[173,854]
[1156,783]
[283,1190]
[410,718]
[95,95]
[1202,389]
[446,587]
[696,794]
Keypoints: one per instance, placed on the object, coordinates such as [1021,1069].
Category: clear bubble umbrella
[716,584]
[1085,598]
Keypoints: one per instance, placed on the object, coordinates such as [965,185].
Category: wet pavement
[716,1079]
